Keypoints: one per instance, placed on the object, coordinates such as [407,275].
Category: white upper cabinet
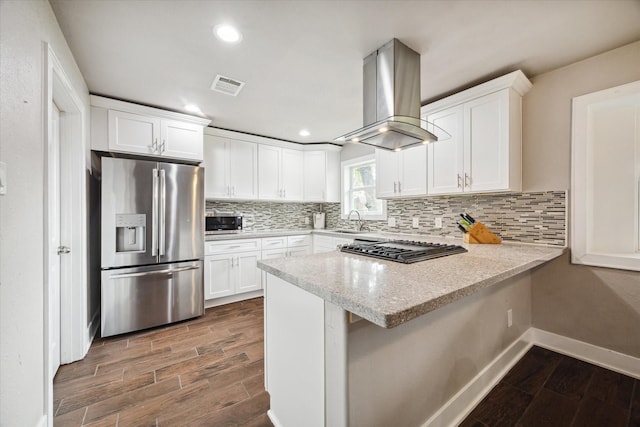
[402,173]
[231,168]
[321,176]
[129,128]
[484,151]
[280,173]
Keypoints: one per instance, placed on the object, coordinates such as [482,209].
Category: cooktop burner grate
[404,251]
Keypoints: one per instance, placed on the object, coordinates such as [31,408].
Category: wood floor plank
[71,418]
[110,421]
[130,399]
[611,387]
[503,406]
[187,398]
[220,344]
[202,405]
[237,414]
[184,366]
[549,409]
[81,384]
[230,376]
[260,421]
[596,413]
[163,360]
[531,372]
[570,378]
[227,364]
[254,384]
[106,391]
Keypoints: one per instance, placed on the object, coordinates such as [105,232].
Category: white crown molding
[247,137]
[115,104]
[515,81]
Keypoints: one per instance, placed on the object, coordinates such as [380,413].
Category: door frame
[76,331]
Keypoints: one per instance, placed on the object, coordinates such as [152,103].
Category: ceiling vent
[227,85]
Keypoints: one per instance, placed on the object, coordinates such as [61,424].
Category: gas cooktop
[404,251]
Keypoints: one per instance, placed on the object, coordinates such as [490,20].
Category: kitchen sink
[349,231]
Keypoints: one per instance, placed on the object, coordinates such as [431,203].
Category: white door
[216,165]
[218,276]
[387,169]
[445,171]
[487,142]
[269,172]
[53,189]
[248,277]
[413,181]
[292,174]
[180,140]
[243,169]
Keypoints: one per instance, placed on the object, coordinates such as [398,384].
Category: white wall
[599,306]
[24,26]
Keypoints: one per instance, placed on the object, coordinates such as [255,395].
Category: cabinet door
[292,176]
[446,157]
[248,277]
[315,176]
[269,172]
[180,140]
[133,133]
[218,276]
[243,169]
[486,159]
[216,168]
[387,168]
[413,179]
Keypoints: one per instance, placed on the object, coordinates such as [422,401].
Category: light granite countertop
[388,293]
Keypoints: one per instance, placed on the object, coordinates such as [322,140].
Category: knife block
[478,233]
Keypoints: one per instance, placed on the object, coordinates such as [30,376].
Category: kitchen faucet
[359,222]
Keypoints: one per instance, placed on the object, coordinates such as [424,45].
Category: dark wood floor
[207,371]
[549,389]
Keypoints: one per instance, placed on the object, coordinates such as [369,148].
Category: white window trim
[344,212]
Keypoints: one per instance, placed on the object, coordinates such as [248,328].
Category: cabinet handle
[395,187]
[284,193]
[467,180]
[459,181]
[163,146]
[399,187]
[228,190]
[233,190]
[154,145]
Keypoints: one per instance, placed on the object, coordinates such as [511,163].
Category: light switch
[3,178]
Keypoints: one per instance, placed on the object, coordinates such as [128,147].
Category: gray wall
[595,305]
[24,26]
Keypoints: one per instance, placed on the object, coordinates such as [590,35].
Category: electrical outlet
[509,318]
[392,221]
[437,223]
[415,222]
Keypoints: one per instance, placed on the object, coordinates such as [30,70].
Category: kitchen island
[357,341]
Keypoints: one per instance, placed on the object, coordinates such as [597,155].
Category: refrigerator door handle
[154,214]
[163,205]
[169,271]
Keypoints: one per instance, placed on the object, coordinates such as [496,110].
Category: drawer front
[274,242]
[294,241]
[274,253]
[231,246]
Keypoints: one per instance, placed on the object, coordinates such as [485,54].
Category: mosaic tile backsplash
[522,217]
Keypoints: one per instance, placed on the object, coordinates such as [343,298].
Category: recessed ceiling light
[192,108]
[304,132]
[227,33]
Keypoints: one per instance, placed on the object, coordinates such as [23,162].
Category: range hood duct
[392,101]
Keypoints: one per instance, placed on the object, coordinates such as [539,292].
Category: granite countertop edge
[392,319]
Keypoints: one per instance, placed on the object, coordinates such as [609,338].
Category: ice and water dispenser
[131,232]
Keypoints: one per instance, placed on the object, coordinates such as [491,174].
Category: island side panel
[294,354]
[402,376]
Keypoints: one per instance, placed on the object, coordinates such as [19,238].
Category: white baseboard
[42,422]
[609,359]
[463,402]
[233,298]
[273,418]
[90,332]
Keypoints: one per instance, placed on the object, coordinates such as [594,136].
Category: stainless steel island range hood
[392,100]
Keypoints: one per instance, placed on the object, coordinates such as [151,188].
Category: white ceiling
[302,59]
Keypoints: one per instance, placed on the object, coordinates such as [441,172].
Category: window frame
[345,191]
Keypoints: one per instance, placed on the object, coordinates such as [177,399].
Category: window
[605,184]
[359,189]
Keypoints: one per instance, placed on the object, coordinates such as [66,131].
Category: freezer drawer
[142,297]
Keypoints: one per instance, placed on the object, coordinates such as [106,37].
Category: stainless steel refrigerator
[152,217]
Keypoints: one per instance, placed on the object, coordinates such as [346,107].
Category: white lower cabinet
[231,268]
[328,243]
